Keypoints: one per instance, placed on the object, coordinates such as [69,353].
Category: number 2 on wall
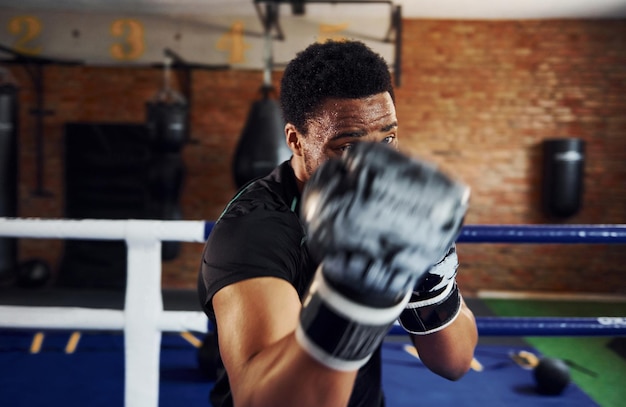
[27,28]
[132,34]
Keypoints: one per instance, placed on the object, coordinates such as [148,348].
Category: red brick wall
[477,97]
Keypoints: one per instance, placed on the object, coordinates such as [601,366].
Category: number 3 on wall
[27,28]
[132,34]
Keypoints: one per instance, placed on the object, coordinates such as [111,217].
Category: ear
[293,139]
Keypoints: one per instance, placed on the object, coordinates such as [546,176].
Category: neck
[299,170]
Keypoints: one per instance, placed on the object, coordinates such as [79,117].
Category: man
[285,341]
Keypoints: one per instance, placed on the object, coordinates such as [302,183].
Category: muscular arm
[256,321]
[450,351]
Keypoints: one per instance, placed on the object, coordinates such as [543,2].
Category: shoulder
[260,223]
[259,234]
[275,193]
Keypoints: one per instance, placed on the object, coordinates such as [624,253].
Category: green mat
[597,368]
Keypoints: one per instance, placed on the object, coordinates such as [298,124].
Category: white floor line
[535,295]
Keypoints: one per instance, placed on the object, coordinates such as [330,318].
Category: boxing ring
[143,319]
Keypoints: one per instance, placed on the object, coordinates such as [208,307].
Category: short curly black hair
[333,69]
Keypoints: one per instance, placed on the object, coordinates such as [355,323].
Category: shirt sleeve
[257,243]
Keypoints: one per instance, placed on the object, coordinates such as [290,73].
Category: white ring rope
[143,318]
[68,318]
[103,229]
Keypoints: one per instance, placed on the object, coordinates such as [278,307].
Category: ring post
[143,308]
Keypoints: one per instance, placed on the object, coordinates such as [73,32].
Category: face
[338,125]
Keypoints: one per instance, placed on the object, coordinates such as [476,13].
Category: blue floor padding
[94,376]
[501,383]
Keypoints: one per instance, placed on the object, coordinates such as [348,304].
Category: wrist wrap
[338,332]
[425,315]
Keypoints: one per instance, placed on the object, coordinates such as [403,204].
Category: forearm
[449,352]
[283,374]
[316,365]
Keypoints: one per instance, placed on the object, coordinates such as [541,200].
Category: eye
[345,147]
[389,139]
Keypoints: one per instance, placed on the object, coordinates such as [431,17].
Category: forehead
[367,114]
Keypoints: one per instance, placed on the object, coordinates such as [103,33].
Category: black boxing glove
[435,302]
[376,220]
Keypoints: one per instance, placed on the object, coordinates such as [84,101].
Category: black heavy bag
[8,175]
[167,123]
[262,145]
[563,166]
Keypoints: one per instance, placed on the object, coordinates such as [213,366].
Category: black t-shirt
[259,234]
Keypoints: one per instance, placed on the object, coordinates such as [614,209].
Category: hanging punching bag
[262,145]
[563,165]
[166,116]
[8,174]
[167,123]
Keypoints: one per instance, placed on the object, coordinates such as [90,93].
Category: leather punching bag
[262,145]
[167,123]
[167,116]
[8,175]
[563,165]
